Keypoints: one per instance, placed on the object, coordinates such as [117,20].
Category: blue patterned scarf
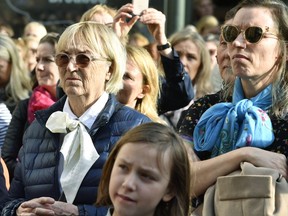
[244,122]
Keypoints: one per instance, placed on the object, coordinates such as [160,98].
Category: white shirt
[90,115]
[110,212]
[87,118]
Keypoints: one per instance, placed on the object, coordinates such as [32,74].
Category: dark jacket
[176,89]
[36,174]
[14,135]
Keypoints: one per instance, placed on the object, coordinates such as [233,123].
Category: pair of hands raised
[152,18]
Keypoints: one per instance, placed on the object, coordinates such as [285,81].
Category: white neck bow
[78,151]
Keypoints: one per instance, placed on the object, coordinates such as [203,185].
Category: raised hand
[155,21]
[120,24]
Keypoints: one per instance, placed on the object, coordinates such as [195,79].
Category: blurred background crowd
[56,15]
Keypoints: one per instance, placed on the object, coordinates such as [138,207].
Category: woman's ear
[168,195]
[108,75]
[109,72]
[145,89]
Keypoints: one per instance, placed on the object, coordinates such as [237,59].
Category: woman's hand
[62,208]
[46,206]
[120,25]
[262,158]
[155,21]
[37,206]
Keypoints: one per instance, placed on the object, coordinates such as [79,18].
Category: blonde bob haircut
[101,40]
[98,9]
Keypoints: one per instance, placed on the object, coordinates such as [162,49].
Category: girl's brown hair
[163,138]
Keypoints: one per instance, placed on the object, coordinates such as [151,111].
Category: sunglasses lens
[82,60]
[253,34]
[230,33]
[62,60]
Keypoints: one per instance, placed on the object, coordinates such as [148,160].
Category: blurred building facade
[56,15]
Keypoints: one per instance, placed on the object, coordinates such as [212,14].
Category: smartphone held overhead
[139,6]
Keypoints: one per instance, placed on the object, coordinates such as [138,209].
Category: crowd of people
[98,120]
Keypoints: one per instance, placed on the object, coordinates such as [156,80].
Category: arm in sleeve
[176,88]
[14,135]
[85,210]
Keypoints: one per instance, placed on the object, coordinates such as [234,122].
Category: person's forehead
[77,49]
[187,45]
[211,45]
[251,16]
[35,29]
[3,60]
[102,18]
[75,44]
[32,44]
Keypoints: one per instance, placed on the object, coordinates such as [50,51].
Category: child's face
[137,182]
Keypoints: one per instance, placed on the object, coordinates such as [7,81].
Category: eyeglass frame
[242,31]
[90,57]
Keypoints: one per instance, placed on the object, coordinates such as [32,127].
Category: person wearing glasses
[66,146]
[252,126]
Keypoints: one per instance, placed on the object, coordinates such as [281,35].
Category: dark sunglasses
[82,60]
[252,34]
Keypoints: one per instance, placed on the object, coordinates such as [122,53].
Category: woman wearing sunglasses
[66,146]
[251,127]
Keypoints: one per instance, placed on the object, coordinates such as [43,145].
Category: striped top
[5,118]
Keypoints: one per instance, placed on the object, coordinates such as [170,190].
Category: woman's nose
[40,66]
[183,60]
[239,41]
[71,66]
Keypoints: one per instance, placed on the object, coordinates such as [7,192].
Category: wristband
[163,47]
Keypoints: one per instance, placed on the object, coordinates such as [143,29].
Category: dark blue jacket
[36,174]
[176,88]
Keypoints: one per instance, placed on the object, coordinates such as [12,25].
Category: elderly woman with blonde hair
[66,146]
